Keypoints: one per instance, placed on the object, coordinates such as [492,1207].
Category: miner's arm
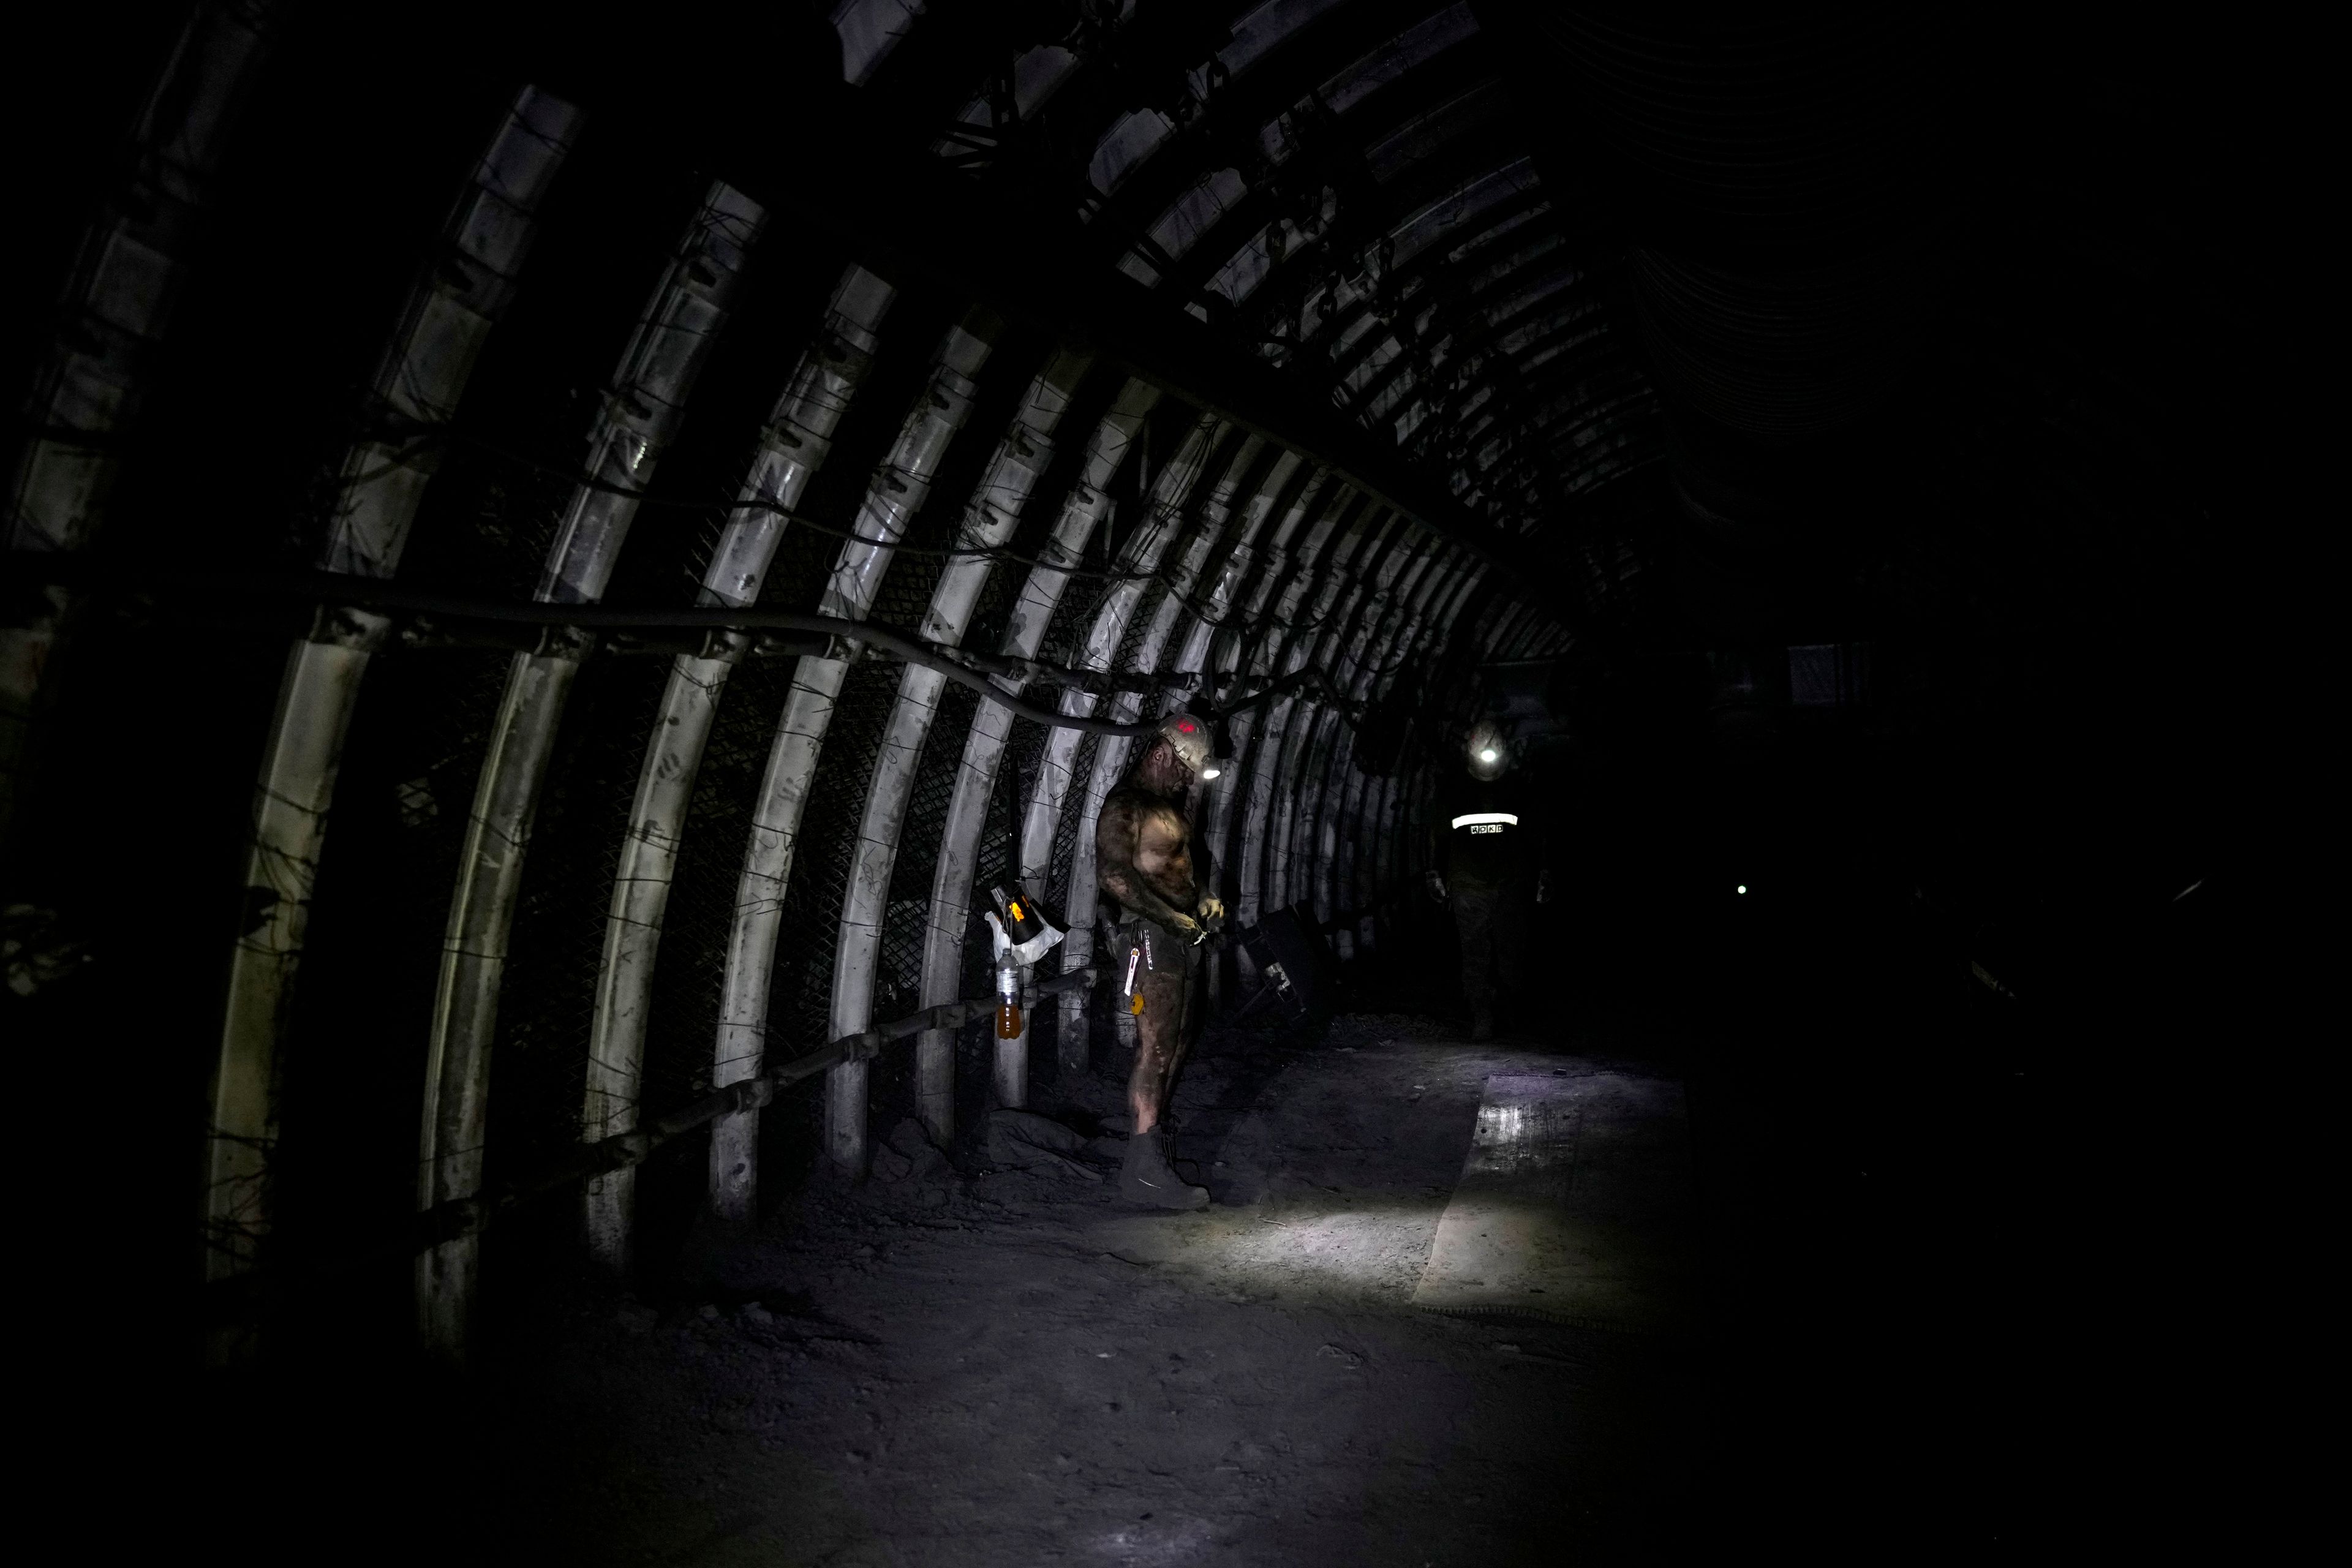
[1117,835]
[1208,906]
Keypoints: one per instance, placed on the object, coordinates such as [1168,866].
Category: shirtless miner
[1145,859]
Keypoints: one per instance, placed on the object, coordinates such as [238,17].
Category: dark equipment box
[1291,960]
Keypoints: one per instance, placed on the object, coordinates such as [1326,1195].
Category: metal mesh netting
[801,1008]
[701,916]
[363,1002]
[448,705]
[906,927]
[548,996]
[801,1002]
[699,922]
[935,777]
[1065,828]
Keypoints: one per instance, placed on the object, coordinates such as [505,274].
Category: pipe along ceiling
[929,398]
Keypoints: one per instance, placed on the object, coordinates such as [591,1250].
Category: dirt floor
[993,1366]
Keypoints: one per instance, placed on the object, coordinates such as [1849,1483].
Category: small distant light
[1212,771]
[1742,888]
[1487,755]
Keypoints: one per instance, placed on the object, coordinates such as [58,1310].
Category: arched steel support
[1347,648]
[1248,650]
[793,445]
[1356,883]
[899,486]
[984,753]
[118,303]
[988,520]
[650,387]
[1345,590]
[1407,597]
[1283,650]
[423,374]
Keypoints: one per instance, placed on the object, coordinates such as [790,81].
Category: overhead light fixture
[1742,888]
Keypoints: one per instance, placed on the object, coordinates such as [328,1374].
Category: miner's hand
[1210,907]
[1436,885]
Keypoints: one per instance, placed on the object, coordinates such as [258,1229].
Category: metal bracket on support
[344,625]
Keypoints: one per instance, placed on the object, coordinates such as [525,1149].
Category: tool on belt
[1140,960]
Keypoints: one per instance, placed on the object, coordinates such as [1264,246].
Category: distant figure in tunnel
[1486,863]
[1145,858]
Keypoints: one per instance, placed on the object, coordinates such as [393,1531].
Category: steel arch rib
[1298,742]
[1345,786]
[1310,645]
[126,275]
[422,378]
[1272,658]
[1344,649]
[984,753]
[792,446]
[1214,630]
[899,486]
[989,521]
[655,376]
[1240,566]
[1359,877]
[1370,837]
[1248,652]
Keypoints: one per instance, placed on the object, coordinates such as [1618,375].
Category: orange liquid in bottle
[1008,1019]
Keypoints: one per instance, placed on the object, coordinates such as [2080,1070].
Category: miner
[1146,859]
[1486,863]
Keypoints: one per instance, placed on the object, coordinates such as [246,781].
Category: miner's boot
[1149,1179]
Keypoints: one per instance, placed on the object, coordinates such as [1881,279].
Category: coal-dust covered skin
[1145,859]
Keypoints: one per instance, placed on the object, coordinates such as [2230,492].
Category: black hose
[343,588]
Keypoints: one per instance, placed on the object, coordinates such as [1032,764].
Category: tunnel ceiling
[1738,327]
[1346,192]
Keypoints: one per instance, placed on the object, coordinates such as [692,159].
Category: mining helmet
[1188,736]
[1488,750]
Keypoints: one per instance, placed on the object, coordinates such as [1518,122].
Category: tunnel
[590,593]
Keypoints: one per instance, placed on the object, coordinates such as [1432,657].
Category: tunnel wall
[592,377]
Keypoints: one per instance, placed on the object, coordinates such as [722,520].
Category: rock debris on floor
[1003,1367]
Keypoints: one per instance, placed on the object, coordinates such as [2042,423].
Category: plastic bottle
[1008,1004]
